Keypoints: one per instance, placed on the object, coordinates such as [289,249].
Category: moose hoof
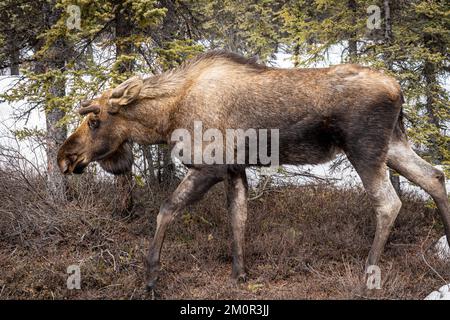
[240,278]
[152,280]
[153,276]
[151,285]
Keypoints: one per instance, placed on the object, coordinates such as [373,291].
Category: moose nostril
[64,166]
[72,157]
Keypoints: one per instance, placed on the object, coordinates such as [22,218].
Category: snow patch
[442,248]
[442,294]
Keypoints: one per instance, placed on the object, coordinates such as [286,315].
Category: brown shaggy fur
[319,112]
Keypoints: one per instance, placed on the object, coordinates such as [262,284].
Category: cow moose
[319,112]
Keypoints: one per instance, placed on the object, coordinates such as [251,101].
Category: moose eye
[93,124]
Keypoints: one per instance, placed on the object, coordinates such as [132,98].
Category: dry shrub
[302,242]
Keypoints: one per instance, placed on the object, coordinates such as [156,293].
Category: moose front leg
[196,183]
[237,191]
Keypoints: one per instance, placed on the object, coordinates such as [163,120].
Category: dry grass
[302,242]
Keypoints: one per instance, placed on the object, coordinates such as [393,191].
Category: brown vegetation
[303,242]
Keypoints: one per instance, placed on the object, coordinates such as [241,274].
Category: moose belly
[310,144]
[305,152]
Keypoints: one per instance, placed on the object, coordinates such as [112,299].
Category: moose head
[104,133]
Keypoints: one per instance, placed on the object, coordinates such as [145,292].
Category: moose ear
[125,93]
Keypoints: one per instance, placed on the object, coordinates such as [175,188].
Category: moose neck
[152,119]
[156,106]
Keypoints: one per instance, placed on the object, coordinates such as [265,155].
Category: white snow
[442,248]
[442,294]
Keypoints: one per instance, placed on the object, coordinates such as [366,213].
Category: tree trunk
[149,170]
[352,44]
[296,56]
[14,58]
[431,81]
[167,164]
[387,21]
[56,135]
[124,182]
[395,178]
[54,59]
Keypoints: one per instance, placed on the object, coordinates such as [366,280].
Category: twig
[114,259]
[262,189]
[425,260]
[432,269]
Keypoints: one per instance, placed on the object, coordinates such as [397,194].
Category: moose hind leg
[237,192]
[405,161]
[196,183]
[387,205]
[384,199]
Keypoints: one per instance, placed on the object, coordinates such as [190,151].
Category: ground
[302,243]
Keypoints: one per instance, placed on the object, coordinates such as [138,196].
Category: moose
[319,112]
